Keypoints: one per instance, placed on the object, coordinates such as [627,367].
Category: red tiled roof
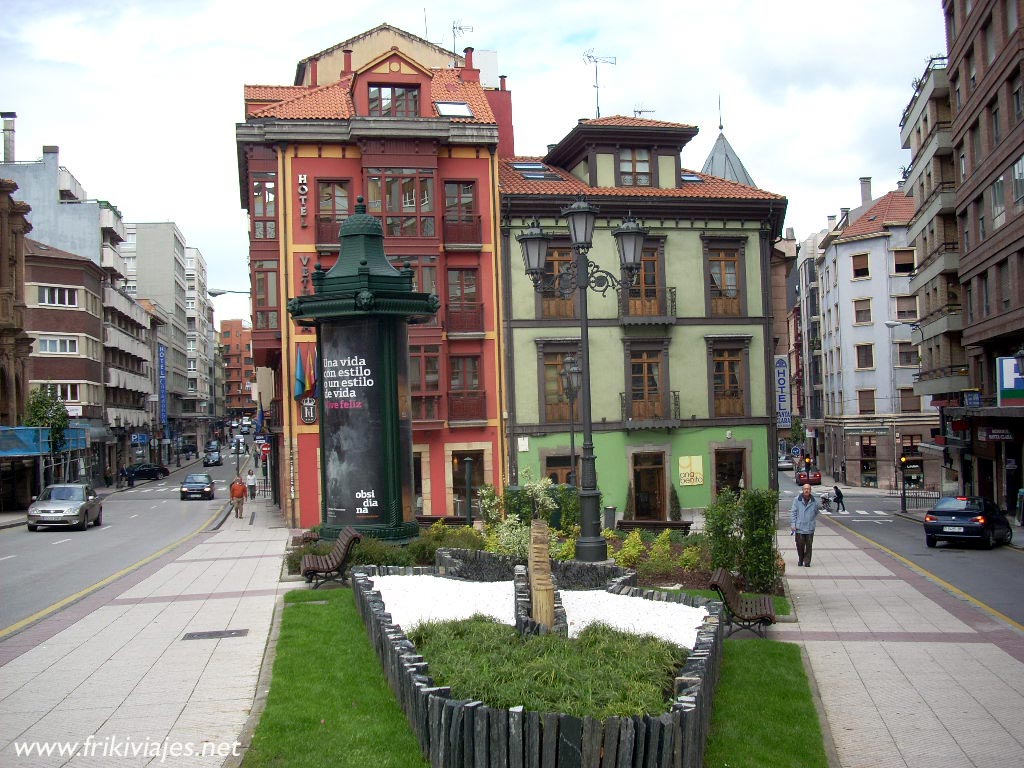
[513,182]
[446,85]
[328,102]
[272,92]
[894,209]
[634,122]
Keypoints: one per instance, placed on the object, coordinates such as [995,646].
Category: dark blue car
[966,518]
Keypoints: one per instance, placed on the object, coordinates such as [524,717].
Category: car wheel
[988,540]
[84,525]
[929,541]
[1009,535]
[33,527]
[99,518]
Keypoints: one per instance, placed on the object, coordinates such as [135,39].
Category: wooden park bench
[330,567]
[753,613]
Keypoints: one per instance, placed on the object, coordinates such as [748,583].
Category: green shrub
[567,501]
[371,551]
[490,504]
[758,560]
[629,511]
[659,558]
[674,511]
[721,524]
[691,559]
[631,552]
[610,534]
[509,537]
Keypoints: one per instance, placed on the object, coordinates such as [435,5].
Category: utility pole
[590,58]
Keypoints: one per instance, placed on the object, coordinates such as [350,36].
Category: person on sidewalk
[804,515]
[238,496]
[250,481]
[839,498]
[122,476]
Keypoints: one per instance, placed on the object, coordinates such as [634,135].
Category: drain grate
[216,634]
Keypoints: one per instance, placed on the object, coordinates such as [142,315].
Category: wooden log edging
[456,733]
[525,624]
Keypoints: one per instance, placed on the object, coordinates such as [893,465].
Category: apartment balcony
[127,418]
[112,260]
[725,302]
[118,339]
[427,412]
[729,402]
[945,262]
[949,319]
[467,406]
[463,230]
[464,317]
[648,306]
[114,299]
[649,413]
[938,381]
[110,220]
[68,187]
[327,232]
[941,200]
[134,382]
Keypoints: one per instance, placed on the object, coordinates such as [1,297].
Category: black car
[213,458]
[966,518]
[212,445]
[197,486]
[148,471]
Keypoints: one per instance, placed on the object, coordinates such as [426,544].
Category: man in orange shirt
[238,495]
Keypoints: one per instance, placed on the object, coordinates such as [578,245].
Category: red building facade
[239,370]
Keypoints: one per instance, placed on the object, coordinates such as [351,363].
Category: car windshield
[63,493]
[197,479]
[954,504]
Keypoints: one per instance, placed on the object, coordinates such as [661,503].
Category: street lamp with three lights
[583,275]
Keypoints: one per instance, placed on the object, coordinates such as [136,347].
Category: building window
[910,444]
[425,381]
[635,167]
[988,34]
[862,310]
[333,207]
[1003,284]
[997,201]
[865,355]
[394,101]
[1017,100]
[865,401]
[861,266]
[969,295]
[963,165]
[264,206]
[66,393]
[728,378]
[997,128]
[983,294]
[723,282]
[265,299]
[461,222]
[556,402]
[192,364]
[465,374]
[907,355]
[906,307]
[58,297]
[464,311]
[646,389]
[58,346]
[868,443]
[903,261]
[1018,182]
[404,197]
[909,402]
[554,306]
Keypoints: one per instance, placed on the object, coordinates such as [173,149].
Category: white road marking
[131,516]
[876,522]
[60,542]
[7,557]
[861,512]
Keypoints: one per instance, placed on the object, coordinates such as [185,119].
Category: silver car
[66,504]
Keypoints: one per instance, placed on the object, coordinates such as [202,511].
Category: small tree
[721,522]
[43,409]
[629,511]
[674,511]
[758,561]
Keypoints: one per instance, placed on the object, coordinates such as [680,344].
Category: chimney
[900,184]
[844,215]
[832,222]
[865,189]
[501,80]
[468,52]
[551,148]
[348,61]
[790,235]
[8,118]
[312,74]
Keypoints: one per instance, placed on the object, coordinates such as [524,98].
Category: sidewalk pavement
[118,671]
[908,675]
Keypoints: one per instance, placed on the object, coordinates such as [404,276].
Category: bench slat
[753,613]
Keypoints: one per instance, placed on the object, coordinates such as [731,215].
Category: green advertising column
[361,309]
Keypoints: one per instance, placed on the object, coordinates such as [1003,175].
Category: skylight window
[453,109]
[691,177]
[529,166]
[541,176]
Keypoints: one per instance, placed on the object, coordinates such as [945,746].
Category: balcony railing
[426,408]
[647,305]
[558,412]
[557,308]
[463,229]
[327,229]
[465,317]
[927,374]
[725,303]
[729,402]
[651,409]
[467,406]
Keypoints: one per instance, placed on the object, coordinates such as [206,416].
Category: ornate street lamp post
[583,275]
[570,376]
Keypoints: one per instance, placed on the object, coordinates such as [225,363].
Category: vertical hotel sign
[783,405]
[1011,382]
[162,372]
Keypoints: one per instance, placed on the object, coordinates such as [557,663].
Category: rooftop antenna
[719,111]
[590,58]
[458,29]
[639,111]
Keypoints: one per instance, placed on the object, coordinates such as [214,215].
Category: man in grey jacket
[804,515]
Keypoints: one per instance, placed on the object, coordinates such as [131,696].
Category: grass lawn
[330,706]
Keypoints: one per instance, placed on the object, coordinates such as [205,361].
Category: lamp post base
[591,549]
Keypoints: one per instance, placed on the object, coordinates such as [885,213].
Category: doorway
[729,471]
[649,485]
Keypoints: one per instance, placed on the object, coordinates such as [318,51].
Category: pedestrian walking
[250,481]
[122,476]
[804,515]
[839,499]
[238,496]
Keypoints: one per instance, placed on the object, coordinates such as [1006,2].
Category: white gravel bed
[413,599]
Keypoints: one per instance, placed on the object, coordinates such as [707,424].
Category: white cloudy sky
[142,97]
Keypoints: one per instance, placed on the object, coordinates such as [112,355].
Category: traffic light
[807,461]
[903,463]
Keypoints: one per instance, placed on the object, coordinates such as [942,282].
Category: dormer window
[394,101]
[635,167]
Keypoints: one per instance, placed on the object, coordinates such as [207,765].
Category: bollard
[609,517]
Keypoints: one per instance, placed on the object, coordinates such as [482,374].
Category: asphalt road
[42,568]
[993,577]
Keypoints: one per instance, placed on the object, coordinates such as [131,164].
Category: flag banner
[310,381]
[300,373]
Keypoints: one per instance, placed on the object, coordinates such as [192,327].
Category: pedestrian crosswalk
[865,512]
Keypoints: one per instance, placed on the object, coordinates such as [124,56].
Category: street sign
[796,451]
[259,439]
[265,449]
